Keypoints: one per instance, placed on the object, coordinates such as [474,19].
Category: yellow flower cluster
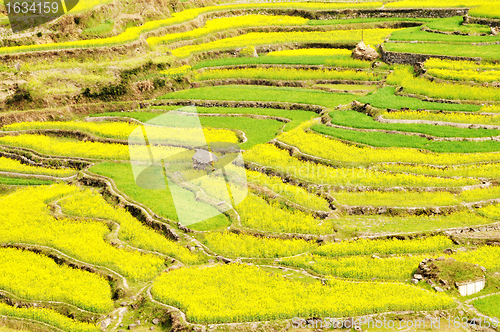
[52,282]
[359,267]
[122,130]
[372,36]
[241,245]
[177,72]
[61,147]
[256,213]
[491,171]
[26,218]
[278,73]
[47,316]
[490,109]
[395,198]
[434,63]
[465,75]
[457,117]
[90,204]
[490,9]
[435,3]
[269,155]
[296,194]
[384,247]
[404,76]
[10,165]
[225,23]
[479,194]
[338,151]
[251,294]
[312,52]
[486,256]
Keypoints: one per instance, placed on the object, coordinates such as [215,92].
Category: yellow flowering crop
[241,245]
[434,63]
[132,34]
[465,75]
[52,282]
[26,218]
[10,165]
[384,247]
[372,36]
[280,160]
[296,194]
[178,71]
[224,23]
[359,267]
[312,52]
[457,117]
[490,171]
[435,3]
[256,213]
[342,152]
[277,73]
[47,316]
[404,76]
[122,130]
[239,293]
[395,198]
[90,204]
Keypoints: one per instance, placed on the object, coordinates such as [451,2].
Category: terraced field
[226,166]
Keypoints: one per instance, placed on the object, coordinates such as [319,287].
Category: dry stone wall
[404,58]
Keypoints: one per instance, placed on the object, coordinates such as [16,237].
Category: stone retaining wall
[481,20]
[414,58]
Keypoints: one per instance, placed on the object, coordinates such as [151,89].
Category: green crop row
[380,139]
[363,121]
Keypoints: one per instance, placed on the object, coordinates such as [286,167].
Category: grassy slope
[489,305]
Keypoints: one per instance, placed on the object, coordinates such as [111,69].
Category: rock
[137,322]
[449,251]
[483,269]
[156,321]
[105,323]
[418,276]
[152,328]
[132,326]
[419,68]
[495,31]
[438,289]
[124,304]
[440,259]
[430,282]
[376,257]
[363,52]
[414,281]
[443,282]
